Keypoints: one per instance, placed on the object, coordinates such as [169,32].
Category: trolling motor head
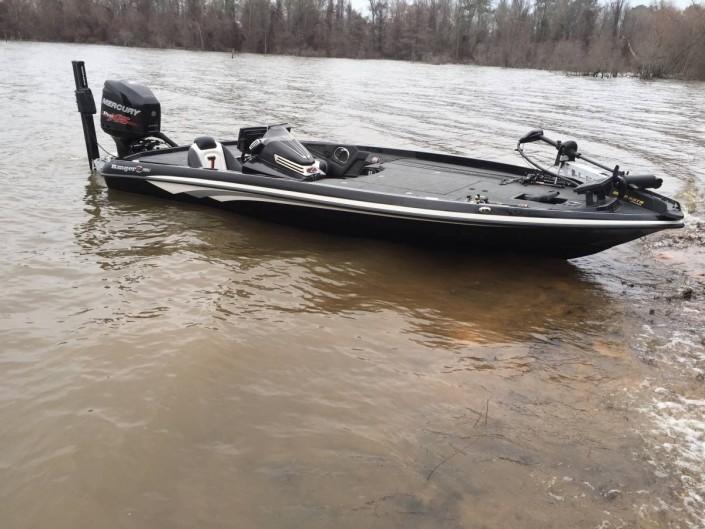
[129,112]
[531,136]
[567,151]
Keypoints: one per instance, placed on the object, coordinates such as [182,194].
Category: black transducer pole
[86,106]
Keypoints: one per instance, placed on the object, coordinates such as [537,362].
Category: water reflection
[325,380]
[448,299]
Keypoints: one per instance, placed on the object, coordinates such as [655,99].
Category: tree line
[586,36]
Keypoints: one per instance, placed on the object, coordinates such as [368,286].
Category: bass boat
[575,207]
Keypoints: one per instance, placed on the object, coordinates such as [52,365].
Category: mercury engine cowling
[278,153]
[129,112]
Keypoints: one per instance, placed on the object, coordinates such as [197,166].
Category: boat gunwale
[326,190]
[508,218]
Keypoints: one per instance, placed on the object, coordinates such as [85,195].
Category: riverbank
[566,56]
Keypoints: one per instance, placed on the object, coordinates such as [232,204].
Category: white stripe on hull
[176,188]
[230,191]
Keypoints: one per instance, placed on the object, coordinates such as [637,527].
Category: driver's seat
[206,153]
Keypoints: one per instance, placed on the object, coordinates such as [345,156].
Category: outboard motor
[130,113]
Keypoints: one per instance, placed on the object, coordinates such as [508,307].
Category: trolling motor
[130,113]
[604,193]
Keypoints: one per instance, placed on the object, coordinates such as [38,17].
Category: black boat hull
[565,242]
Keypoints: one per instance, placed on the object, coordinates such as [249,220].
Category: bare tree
[580,35]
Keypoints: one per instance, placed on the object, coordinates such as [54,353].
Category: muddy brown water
[164,365]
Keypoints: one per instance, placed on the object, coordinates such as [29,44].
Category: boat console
[277,153]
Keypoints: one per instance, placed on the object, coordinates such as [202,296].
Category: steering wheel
[343,158]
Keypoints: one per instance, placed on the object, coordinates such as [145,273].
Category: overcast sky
[361,5]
